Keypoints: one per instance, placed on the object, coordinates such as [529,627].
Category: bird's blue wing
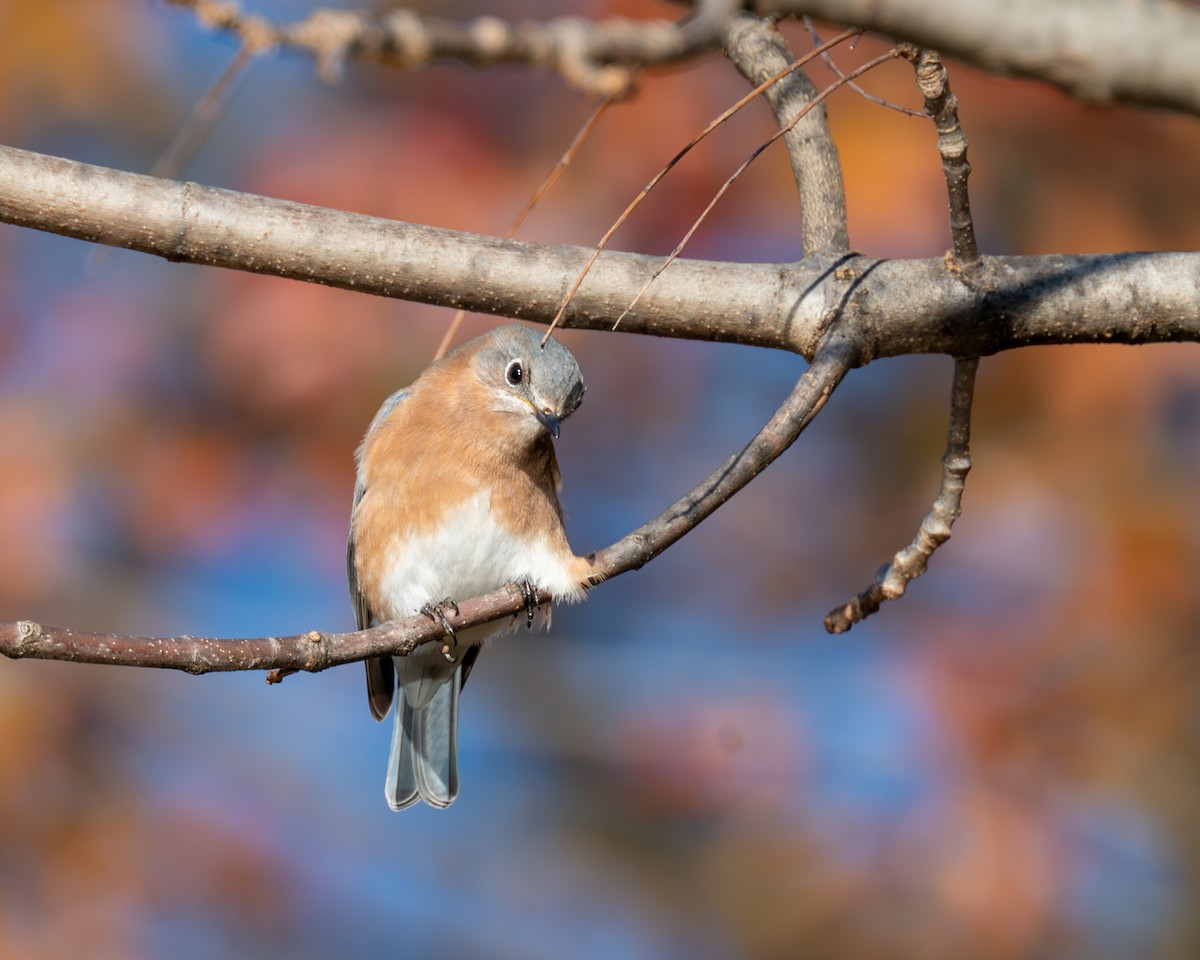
[380,673]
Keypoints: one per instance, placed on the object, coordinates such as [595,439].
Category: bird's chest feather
[448,511]
[469,552]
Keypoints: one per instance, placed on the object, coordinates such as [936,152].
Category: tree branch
[941,105]
[597,58]
[834,358]
[1096,50]
[890,307]
[759,52]
[312,651]
[893,579]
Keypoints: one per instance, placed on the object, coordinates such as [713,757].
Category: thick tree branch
[187,222]
[759,52]
[890,307]
[1097,50]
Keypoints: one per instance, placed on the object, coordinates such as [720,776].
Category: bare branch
[1096,50]
[835,357]
[312,651]
[315,651]
[827,59]
[759,52]
[187,222]
[892,307]
[893,579]
[596,58]
[942,107]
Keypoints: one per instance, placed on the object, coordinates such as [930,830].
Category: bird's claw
[437,612]
[529,595]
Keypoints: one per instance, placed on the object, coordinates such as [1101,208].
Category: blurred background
[1001,765]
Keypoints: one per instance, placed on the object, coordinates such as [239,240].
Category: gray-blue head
[527,377]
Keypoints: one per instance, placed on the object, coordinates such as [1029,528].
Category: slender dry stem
[535,198]
[893,579]
[654,181]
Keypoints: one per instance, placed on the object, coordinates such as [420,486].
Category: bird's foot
[530,595]
[437,612]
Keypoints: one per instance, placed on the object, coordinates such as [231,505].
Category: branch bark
[759,52]
[890,307]
[597,58]
[911,562]
[941,106]
[1096,50]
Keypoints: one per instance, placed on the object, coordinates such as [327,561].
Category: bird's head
[541,383]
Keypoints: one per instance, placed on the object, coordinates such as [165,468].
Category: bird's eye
[515,373]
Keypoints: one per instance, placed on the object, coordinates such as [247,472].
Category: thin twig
[654,181]
[942,106]
[200,125]
[314,651]
[547,182]
[827,59]
[782,131]
[833,360]
[893,579]
[191,136]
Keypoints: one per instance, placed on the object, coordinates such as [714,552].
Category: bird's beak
[548,420]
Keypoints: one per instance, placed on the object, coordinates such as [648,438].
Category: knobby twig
[893,579]
[942,107]
[598,58]
[315,651]
[311,651]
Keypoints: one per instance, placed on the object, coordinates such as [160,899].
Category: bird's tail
[423,764]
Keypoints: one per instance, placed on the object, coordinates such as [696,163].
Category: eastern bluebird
[456,496]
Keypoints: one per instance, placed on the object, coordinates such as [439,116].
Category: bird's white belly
[468,555]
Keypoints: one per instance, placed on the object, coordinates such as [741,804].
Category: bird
[456,495]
